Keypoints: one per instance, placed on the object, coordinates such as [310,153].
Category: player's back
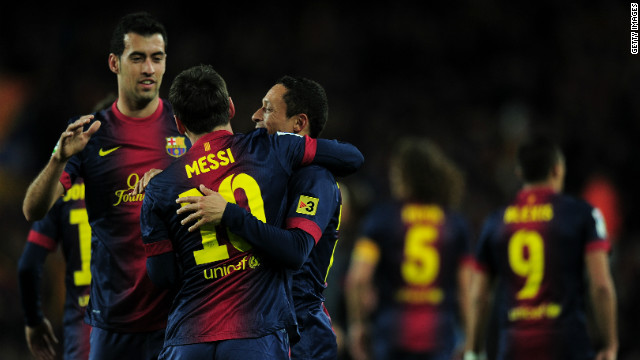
[421,247]
[536,246]
[227,290]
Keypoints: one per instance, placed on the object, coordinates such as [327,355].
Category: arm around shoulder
[340,158]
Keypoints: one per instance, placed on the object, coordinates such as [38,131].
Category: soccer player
[537,250]
[293,105]
[111,149]
[410,267]
[65,225]
[233,302]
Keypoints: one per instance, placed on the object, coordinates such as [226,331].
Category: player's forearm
[475,309]
[43,192]
[604,301]
[290,247]
[29,275]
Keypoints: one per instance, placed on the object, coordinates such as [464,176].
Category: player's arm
[464,276]
[46,188]
[360,294]
[476,307]
[340,158]
[162,265]
[289,246]
[603,297]
[38,331]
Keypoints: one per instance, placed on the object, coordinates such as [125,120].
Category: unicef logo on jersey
[176,146]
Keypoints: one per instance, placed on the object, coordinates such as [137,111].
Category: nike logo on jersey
[107,152]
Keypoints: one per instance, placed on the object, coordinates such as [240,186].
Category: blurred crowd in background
[474,76]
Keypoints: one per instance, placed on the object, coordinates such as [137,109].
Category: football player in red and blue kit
[66,225]
[233,302]
[294,105]
[538,249]
[413,257]
[111,150]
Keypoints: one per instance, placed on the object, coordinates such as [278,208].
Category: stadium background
[475,76]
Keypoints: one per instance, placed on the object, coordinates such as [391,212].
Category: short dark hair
[305,96]
[200,99]
[536,157]
[429,175]
[141,23]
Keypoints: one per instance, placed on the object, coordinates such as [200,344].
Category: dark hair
[141,23]
[428,174]
[306,96]
[200,99]
[536,158]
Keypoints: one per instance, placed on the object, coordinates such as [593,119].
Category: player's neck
[195,137]
[129,109]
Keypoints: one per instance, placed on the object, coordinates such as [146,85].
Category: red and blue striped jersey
[421,249]
[227,289]
[123,298]
[535,249]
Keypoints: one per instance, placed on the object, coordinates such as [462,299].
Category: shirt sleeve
[29,277]
[596,230]
[291,247]
[162,266]
[340,158]
[313,200]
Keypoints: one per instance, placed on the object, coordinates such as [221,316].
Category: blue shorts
[274,346]
[111,345]
[317,339]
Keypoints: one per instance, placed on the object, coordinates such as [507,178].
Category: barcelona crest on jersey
[176,146]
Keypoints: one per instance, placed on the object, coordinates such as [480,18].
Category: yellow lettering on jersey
[224,270]
[416,296]
[83,300]
[528,213]
[421,214]
[542,311]
[75,193]
[209,162]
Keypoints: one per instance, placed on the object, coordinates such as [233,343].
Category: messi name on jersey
[176,146]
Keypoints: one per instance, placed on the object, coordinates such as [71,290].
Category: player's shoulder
[573,204]
[313,172]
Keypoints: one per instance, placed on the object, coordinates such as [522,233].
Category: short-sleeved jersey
[535,249]
[421,248]
[228,289]
[66,225]
[123,298]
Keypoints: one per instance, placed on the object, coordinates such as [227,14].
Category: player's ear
[300,123]
[232,109]
[181,128]
[114,63]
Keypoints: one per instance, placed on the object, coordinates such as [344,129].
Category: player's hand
[207,209]
[142,183]
[41,340]
[74,139]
